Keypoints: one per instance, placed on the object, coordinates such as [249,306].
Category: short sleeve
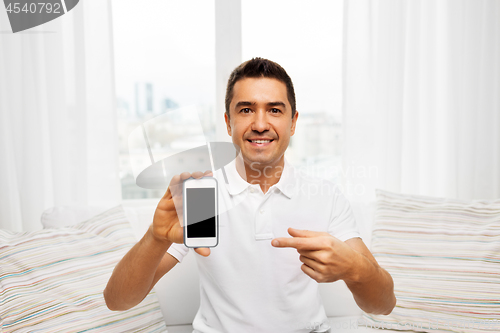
[342,223]
[178,251]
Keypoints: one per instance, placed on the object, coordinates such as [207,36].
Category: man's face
[260,121]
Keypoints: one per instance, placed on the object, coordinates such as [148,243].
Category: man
[258,278]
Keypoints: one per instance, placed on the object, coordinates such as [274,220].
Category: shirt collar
[236,184]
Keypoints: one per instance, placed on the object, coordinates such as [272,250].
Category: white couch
[443,255]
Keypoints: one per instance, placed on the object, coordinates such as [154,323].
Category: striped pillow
[444,257]
[52,280]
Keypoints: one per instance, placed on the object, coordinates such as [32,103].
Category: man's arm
[137,273]
[327,259]
[140,269]
[371,285]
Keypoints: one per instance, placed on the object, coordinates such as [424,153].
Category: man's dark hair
[260,67]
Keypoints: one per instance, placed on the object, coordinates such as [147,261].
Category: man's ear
[228,125]
[294,122]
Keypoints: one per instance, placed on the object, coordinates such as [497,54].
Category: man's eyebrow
[244,103]
[276,104]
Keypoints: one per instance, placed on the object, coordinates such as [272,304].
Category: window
[165,59]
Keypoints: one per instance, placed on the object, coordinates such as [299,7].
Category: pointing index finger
[299,243]
[305,233]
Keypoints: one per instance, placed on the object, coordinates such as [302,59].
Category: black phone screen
[200,212]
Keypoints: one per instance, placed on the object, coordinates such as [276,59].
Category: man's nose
[260,121]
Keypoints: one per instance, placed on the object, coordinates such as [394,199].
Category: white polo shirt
[246,284]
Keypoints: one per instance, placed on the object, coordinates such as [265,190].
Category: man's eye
[245,110]
[274,110]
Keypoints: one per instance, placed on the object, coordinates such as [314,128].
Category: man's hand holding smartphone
[167,221]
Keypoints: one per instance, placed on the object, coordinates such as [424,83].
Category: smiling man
[258,278]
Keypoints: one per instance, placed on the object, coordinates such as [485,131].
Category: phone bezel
[205,182]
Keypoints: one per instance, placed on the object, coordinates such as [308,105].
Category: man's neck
[266,175]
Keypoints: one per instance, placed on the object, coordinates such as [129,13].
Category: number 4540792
[34,8]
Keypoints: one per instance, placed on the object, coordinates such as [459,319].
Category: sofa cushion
[53,279]
[444,257]
[139,214]
[65,216]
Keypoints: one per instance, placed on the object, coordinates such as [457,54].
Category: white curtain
[58,137]
[422,98]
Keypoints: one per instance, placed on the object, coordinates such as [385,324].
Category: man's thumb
[202,251]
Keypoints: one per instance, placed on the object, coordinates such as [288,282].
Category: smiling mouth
[260,141]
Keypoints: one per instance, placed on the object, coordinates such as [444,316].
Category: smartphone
[201,213]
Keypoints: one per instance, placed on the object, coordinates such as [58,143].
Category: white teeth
[261,141]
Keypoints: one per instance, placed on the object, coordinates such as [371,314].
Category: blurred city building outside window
[164,59]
